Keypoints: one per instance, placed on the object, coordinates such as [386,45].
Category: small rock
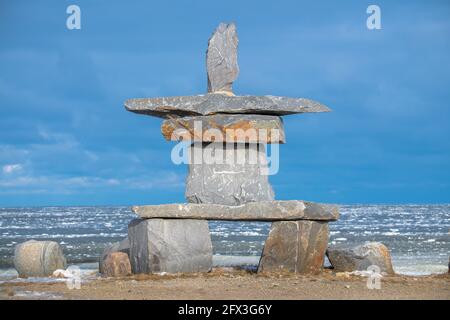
[38,258]
[121,246]
[60,273]
[343,274]
[116,264]
[347,287]
[361,257]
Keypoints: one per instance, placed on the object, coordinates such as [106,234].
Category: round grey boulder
[360,258]
[38,258]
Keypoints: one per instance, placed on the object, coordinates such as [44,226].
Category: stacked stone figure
[228,175]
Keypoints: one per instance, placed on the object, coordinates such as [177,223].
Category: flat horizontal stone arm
[252,211]
[218,103]
[235,128]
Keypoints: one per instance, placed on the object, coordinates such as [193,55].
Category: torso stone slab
[241,176]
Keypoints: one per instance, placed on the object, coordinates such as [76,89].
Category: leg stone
[295,246]
[170,245]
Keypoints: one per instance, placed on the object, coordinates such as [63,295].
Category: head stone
[221,59]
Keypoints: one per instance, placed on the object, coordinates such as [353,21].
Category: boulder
[120,246]
[228,175]
[38,258]
[295,246]
[116,264]
[361,257]
[169,245]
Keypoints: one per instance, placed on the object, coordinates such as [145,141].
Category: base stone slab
[295,246]
[276,210]
[169,245]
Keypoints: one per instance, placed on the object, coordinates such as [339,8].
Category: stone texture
[295,246]
[221,58]
[38,258]
[121,246]
[116,264]
[359,258]
[232,128]
[242,179]
[252,211]
[219,103]
[169,245]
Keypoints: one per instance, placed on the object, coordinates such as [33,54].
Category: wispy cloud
[11,168]
[82,184]
[59,164]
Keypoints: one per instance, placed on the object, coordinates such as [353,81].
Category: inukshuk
[233,131]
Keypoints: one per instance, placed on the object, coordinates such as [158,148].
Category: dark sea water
[417,235]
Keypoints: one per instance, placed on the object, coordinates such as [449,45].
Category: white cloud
[59,164]
[11,168]
[55,184]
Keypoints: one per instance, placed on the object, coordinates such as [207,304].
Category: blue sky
[65,138]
